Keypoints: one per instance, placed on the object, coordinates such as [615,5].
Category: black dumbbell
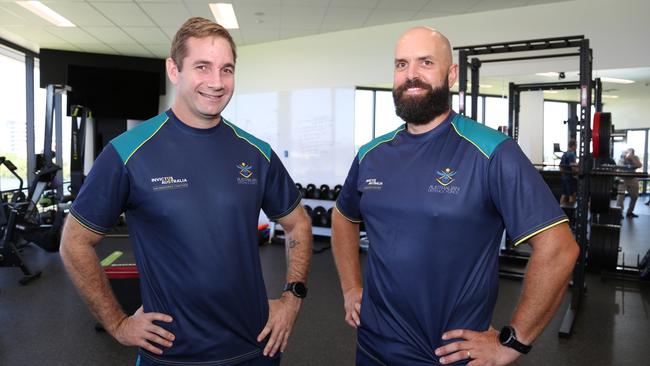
[303,191]
[325,192]
[312,192]
[336,191]
[319,216]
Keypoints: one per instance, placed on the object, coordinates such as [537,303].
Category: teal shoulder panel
[365,149]
[260,145]
[130,141]
[484,138]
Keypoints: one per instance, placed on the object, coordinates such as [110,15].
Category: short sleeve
[519,193]
[104,194]
[280,195]
[348,201]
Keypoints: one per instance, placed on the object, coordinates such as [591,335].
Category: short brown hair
[199,28]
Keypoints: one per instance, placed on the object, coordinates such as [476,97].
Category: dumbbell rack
[316,230]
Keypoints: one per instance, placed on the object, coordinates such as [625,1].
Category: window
[13,139]
[374,115]
[496,112]
[555,129]
[363,117]
[385,118]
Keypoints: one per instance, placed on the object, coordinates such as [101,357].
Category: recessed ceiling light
[46,13]
[616,81]
[610,96]
[551,91]
[224,14]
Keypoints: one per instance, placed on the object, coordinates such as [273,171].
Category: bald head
[425,40]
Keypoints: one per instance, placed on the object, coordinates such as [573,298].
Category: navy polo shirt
[192,199]
[435,206]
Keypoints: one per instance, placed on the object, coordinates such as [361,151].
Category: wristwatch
[508,338]
[298,289]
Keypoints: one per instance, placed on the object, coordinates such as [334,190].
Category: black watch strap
[508,338]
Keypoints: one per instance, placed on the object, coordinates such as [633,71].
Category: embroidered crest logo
[245,170]
[445,176]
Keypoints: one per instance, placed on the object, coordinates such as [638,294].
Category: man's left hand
[480,348]
[282,316]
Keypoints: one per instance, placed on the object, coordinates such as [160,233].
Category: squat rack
[514,103]
[585,84]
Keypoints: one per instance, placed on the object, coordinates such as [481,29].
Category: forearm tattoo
[293,243]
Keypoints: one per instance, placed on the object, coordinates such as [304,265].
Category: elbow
[570,254]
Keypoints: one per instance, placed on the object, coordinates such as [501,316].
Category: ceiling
[145,27]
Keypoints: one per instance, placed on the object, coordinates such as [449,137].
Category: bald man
[436,195]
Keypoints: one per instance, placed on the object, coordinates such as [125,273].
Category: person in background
[568,169]
[631,162]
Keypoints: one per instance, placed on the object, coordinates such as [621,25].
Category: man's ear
[172,70]
[452,75]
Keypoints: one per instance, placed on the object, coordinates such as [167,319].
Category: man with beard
[435,196]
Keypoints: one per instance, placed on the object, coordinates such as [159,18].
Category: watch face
[300,289]
[506,335]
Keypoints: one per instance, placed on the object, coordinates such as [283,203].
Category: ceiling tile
[72,35]
[294,33]
[34,34]
[132,50]
[167,14]
[159,50]
[96,48]
[429,14]
[303,17]
[256,35]
[402,4]
[386,16]
[345,18]
[8,17]
[170,31]
[486,5]
[450,7]
[114,1]
[267,17]
[110,35]
[124,14]
[144,35]
[537,2]
[320,3]
[358,4]
[249,2]
[80,13]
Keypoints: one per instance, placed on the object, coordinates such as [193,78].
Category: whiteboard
[311,130]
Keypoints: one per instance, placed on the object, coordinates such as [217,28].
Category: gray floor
[45,322]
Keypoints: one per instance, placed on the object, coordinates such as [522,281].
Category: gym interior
[314,79]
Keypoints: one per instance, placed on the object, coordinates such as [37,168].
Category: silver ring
[469,354]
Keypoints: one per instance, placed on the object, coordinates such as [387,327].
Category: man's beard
[421,109]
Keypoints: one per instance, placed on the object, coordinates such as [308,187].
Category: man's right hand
[352,302]
[139,330]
